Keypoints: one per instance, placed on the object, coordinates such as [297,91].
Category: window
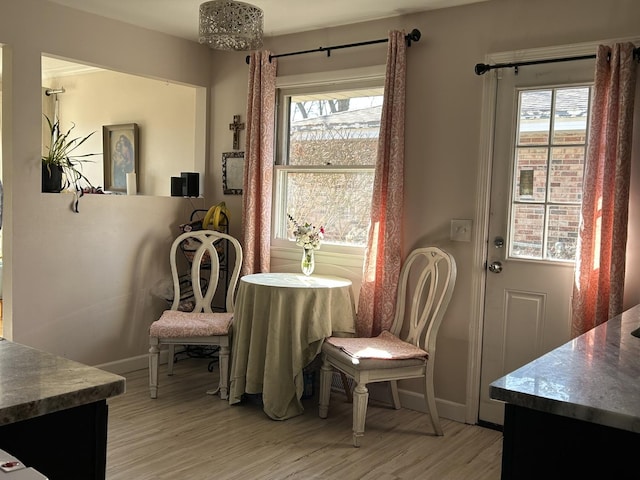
[325,166]
[550,151]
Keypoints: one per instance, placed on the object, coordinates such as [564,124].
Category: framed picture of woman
[120,148]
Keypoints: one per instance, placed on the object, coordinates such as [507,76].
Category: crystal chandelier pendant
[231,25]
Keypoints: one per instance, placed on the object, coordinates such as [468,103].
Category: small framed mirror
[232,172]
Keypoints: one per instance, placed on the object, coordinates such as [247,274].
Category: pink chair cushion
[384,346]
[176,324]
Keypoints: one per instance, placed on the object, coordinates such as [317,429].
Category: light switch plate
[460,230]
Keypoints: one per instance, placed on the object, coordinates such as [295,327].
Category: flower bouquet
[308,237]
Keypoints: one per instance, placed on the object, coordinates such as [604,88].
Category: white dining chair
[407,350]
[201,326]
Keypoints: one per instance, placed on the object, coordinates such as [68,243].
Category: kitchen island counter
[581,398]
[595,377]
[53,412]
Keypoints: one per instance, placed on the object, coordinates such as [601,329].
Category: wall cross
[236,126]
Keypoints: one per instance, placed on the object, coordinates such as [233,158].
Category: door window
[549,154]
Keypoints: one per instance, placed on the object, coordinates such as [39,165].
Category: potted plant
[61,169]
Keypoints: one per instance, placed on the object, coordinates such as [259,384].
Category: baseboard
[490,425]
[128,365]
[408,399]
[446,408]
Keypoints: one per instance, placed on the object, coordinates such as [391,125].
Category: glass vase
[308,262]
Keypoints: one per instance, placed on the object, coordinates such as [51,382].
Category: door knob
[495,267]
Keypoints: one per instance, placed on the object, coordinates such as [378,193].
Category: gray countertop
[595,377]
[34,383]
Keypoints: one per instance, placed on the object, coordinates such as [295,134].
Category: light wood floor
[186,434]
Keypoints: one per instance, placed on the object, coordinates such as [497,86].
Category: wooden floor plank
[185,433]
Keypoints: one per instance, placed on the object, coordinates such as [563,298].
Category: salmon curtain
[600,259]
[383,255]
[258,164]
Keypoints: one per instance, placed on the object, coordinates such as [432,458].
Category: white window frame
[348,256]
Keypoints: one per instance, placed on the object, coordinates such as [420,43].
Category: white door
[539,148]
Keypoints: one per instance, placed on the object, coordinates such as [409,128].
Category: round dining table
[280,321]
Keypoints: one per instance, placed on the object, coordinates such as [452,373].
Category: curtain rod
[412,36]
[50,91]
[482,68]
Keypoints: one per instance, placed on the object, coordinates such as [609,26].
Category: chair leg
[170,358]
[360,400]
[223,383]
[326,372]
[394,394]
[223,359]
[154,358]
[430,397]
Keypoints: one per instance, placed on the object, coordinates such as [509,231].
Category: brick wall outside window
[559,191]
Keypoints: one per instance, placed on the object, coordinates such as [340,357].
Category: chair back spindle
[425,287]
[205,257]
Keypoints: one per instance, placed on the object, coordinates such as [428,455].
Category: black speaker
[176,186]
[191,185]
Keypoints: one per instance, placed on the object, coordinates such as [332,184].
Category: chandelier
[231,25]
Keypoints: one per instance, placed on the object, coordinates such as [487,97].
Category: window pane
[562,232]
[531,174]
[534,117]
[339,201]
[527,228]
[329,142]
[337,128]
[570,116]
[565,175]
[549,168]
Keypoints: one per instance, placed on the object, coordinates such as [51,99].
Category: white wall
[78,285]
[165,113]
[444,98]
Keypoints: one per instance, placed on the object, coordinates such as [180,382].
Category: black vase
[51,179]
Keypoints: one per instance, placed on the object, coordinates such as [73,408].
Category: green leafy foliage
[61,154]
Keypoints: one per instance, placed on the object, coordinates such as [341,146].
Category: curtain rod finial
[412,36]
[482,68]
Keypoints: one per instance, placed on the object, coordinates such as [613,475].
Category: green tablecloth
[279,324]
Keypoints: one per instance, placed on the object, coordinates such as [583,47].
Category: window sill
[326,254]
[328,262]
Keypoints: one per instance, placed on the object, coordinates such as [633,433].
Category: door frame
[483,195]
